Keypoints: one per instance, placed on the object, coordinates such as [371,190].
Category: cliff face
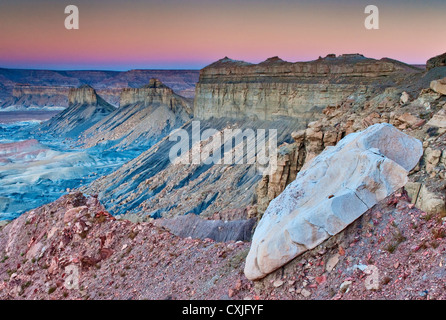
[146,115]
[56,252]
[85,109]
[276,88]
[408,114]
[236,94]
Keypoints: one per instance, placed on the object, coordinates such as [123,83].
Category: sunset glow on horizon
[174,34]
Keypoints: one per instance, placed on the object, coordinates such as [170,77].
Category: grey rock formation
[329,193]
[152,185]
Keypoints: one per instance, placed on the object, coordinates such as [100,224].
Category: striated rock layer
[276,88]
[330,192]
[28,96]
[439,86]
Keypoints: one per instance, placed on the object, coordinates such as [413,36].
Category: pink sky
[192,34]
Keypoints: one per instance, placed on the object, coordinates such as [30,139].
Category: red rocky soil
[114,259]
[394,251]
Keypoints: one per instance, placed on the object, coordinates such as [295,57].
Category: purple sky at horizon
[190,34]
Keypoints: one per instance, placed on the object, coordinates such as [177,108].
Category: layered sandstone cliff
[275,88]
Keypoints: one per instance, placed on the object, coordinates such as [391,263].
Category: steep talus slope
[153,185]
[85,109]
[145,116]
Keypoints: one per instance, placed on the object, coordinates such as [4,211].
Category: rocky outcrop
[83,95]
[152,185]
[439,119]
[437,61]
[146,115]
[37,89]
[30,96]
[85,109]
[146,95]
[308,143]
[275,88]
[330,192]
[424,199]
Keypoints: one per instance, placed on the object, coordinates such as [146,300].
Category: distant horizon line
[103,70]
[137,69]
[175,68]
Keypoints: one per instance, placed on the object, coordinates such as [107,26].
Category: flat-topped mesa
[143,118]
[146,94]
[275,88]
[82,95]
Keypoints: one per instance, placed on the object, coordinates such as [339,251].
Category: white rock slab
[332,191]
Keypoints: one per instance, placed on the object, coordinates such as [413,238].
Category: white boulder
[332,191]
